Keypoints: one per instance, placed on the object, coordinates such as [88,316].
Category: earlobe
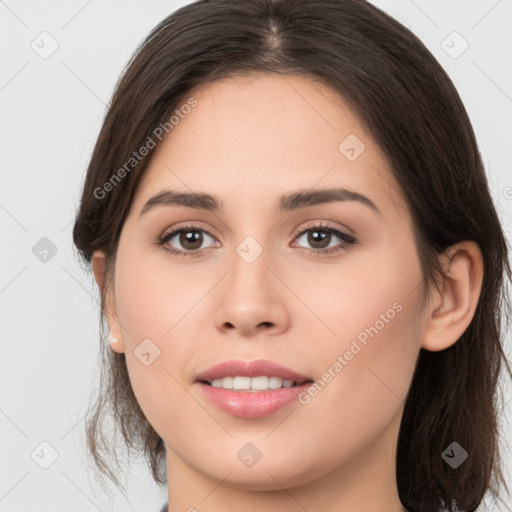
[453,306]
[98,264]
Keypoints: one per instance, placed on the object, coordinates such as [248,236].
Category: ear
[452,308]
[108,301]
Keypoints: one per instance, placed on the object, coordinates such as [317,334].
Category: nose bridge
[252,295]
[250,275]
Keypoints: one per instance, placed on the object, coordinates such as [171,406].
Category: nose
[252,300]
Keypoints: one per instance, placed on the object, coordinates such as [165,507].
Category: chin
[271,475]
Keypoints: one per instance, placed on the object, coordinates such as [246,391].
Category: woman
[300,264]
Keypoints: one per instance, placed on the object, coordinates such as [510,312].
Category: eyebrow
[286,202]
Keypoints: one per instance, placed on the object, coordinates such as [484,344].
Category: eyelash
[348,240]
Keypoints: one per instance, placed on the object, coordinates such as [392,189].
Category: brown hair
[414,113]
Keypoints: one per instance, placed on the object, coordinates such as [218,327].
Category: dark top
[165,509]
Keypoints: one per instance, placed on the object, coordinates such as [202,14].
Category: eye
[190,237]
[320,236]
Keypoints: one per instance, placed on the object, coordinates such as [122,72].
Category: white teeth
[275,382]
[227,382]
[260,383]
[242,383]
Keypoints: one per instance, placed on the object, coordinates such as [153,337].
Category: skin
[248,141]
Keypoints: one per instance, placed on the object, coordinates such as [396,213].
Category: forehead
[264,134]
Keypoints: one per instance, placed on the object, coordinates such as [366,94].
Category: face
[328,288]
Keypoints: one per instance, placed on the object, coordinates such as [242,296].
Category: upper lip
[238,367]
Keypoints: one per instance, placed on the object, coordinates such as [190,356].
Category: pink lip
[251,404]
[250,369]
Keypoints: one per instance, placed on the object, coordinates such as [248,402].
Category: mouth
[252,389]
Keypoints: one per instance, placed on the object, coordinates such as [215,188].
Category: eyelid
[320,224]
[191,225]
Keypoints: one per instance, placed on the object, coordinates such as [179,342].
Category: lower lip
[252,404]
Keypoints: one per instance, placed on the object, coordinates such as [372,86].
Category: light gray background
[52,109]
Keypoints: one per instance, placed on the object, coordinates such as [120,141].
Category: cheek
[361,386]
[363,297]
[152,305]
[369,321]
[152,298]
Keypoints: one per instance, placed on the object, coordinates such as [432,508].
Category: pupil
[191,237]
[322,235]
